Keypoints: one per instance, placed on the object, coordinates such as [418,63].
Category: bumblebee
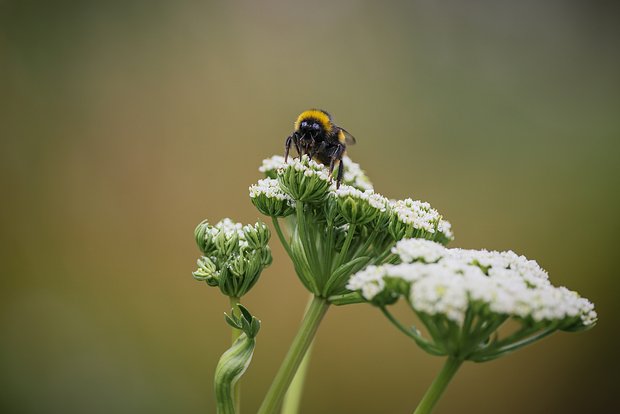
[317,136]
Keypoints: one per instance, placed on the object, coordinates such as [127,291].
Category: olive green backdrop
[124,124]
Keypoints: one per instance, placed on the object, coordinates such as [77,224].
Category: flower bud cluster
[233,255]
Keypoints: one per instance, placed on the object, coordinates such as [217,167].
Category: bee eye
[315,126]
[304,124]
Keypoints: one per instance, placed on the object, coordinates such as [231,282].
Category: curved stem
[423,343]
[235,333]
[438,386]
[317,309]
[281,236]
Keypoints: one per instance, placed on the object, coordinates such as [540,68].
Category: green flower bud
[226,243]
[257,235]
[204,238]
[266,257]
[207,271]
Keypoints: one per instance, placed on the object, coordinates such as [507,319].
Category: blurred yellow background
[124,124]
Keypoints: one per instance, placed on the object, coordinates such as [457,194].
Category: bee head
[314,121]
[310,125]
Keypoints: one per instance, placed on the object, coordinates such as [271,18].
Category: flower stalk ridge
[462,297]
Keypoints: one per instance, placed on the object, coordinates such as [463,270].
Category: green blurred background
[124,124]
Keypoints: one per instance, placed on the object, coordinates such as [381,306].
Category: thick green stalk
[234,301]
[292,399]
[317,309]
[438,386]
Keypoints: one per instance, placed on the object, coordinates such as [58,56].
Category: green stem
[281,236]
[236,391]
[413,334]
[438,386]
[345,247]
[292,399]
[317,309]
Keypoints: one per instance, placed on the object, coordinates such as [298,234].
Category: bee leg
[336,155]
[299,144]
[340,172]
[287,146]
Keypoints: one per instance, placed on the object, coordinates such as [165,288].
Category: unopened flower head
[233,255]
[269,199]
[304,180]
[457,285]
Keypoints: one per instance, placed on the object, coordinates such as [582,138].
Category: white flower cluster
[374,199]
[445,227]
[229,228]
[354,175]
[270,188]
[309,167]
[418,213]
[448,281]
[272,164]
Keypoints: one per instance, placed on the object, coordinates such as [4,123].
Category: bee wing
[346,137]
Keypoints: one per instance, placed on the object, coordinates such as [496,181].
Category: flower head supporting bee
[333,232]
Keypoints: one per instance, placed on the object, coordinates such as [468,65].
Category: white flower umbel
[355,176]
[463,296]
[359,207]
[417,219]
[270,166]
[269,199]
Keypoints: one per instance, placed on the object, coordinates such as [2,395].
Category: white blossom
[270,188]
[447,281]
[410,250]
[271,164]
[418,213]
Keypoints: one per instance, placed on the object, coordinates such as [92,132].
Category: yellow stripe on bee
[317,114]
[341,137]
